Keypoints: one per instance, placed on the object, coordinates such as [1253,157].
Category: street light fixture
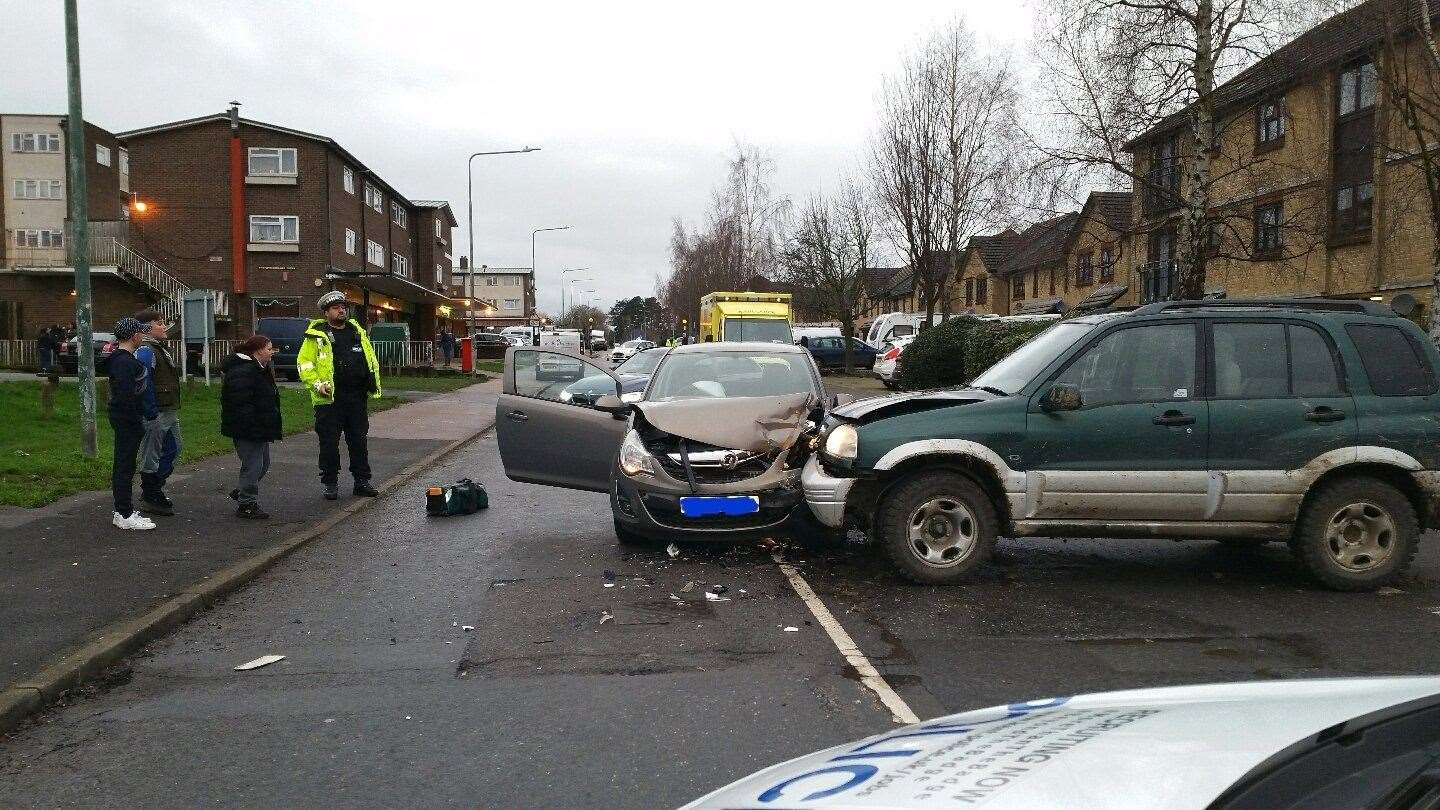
[534,271]
[470,223]
[562,282]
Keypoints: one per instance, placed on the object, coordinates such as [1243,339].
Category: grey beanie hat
[128,327]
[330,298]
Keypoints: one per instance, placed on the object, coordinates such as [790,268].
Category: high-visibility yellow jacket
[316,361]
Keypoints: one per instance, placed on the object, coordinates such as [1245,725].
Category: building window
[400,265]
[124,162]
[439,228]
[265,161]
[492,281]
[1107,264]
[1017,288]
[398,215]
[1356,90]
[1352,210]
[275,229]
[38,190]
[347,178]
[439,274]
[1035,283]
[34,142]
[1084,270]
[969,292]
[1267,229]
[102,154]
[35,237]
[373,198]
[512,303]
[1162,182]
[374,253]
[982,292]
[350,241]
[1269,124]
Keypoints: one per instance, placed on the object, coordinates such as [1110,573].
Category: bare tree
[1116,69]
[1409,73]
[827,252]
[945,155]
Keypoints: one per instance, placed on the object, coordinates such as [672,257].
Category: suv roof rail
[1321,304]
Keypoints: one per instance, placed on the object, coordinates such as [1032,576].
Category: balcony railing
[1157,280]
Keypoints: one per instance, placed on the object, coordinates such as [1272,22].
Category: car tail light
[892,354]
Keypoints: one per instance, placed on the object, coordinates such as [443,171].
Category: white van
[891,325]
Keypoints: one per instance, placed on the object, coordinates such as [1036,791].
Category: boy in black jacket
[127,418]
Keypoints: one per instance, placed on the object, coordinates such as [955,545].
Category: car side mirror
[612,405]
[1061,397]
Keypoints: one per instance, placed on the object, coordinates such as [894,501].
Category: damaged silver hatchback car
[713,450]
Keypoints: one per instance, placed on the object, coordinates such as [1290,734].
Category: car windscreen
[731,374]
[641,362]
[280,328]
[757,330]
[1016,369]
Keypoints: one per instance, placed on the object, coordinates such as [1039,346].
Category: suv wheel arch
[1397,476]
[977,469]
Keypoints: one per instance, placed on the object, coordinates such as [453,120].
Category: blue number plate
[713,505]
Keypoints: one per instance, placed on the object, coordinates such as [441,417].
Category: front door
[1278,405]
[547,430]
[1135,448]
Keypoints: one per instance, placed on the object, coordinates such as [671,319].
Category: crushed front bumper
[825,495]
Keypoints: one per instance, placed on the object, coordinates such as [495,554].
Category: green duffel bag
[464,497]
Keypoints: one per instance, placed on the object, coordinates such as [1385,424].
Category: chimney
[464,263]
[234,113]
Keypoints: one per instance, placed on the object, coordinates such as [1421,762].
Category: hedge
[957,350]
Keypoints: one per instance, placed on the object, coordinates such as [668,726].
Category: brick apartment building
[37,280]
[1319,195]
[271,217]
[499,297]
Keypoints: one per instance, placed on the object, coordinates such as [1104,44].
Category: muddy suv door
[548,430]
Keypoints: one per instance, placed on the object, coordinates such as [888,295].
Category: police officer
[338,366]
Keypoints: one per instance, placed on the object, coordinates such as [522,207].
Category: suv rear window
[1396,366]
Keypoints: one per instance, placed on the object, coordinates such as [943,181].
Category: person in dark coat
[250,416]
[126,410]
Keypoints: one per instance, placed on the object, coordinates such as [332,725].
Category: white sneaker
[136,521]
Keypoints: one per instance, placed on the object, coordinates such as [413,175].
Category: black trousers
[347,416]
[128,436]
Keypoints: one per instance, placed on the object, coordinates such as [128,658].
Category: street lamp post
[562,285]
[470,224]
[534,273]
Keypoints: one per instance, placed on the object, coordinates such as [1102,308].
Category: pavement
[67,577]
[598,675]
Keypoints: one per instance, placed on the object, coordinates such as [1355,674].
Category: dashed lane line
[870,677]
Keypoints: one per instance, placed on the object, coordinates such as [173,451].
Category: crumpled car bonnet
[754,424]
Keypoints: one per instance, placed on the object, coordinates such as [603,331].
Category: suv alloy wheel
[1356,534]
[938,527]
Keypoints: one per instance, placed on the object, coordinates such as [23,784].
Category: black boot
[155,503]
[363,489]
[251,511]
[332,492]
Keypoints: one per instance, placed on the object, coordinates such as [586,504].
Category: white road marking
[900,712]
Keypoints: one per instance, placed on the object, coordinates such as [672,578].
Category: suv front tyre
[938,527]
[1356,534]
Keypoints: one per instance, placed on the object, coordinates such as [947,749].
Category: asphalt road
[645,694]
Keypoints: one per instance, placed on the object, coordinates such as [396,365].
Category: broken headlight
[634,458]
[842,442]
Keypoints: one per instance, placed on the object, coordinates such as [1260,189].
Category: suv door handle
[1324,413]
[1173,418]
[517,416]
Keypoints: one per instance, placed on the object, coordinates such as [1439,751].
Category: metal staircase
[107,251]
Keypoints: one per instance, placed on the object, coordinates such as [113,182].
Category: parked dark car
[104,343]
[287,334]
[634,374]
[712,451]
[829,353]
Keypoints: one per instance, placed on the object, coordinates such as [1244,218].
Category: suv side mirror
[1061,397]
[612,405]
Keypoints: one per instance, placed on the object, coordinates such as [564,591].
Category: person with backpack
[250,417]
[339,368]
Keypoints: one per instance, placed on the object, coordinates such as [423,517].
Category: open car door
[548,431]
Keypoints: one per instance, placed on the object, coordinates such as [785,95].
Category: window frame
[1017,287]
[377,204]
[371,246]
[54,189]
[1420,354]
[109,156]
[282,220]
[398,214]
[352,241]
[1354,75]
[982,290]
[1289,323]
[1085,269]
[279,153]
[1107,264]
[1262,246]
[1275,105]
[17,143]
[347,179]
[1202,374]
[399,264]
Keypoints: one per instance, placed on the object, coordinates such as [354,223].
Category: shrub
[956,351]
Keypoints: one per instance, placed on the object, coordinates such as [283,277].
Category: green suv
[1314,422]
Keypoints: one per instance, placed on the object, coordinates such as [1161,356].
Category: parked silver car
[712,451]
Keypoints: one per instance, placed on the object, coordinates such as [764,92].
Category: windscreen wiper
[990,389]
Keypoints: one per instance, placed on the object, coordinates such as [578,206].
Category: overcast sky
[634,104]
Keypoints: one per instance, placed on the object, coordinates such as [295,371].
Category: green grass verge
[439,382]
[491,366]
[40,460]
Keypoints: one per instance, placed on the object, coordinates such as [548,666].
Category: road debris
[711,596]
[606,616]
[262,661]
[609,584]
[673,550]
[467,627]
[719,590]
[1388,591]
[689,586]
[792,629]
